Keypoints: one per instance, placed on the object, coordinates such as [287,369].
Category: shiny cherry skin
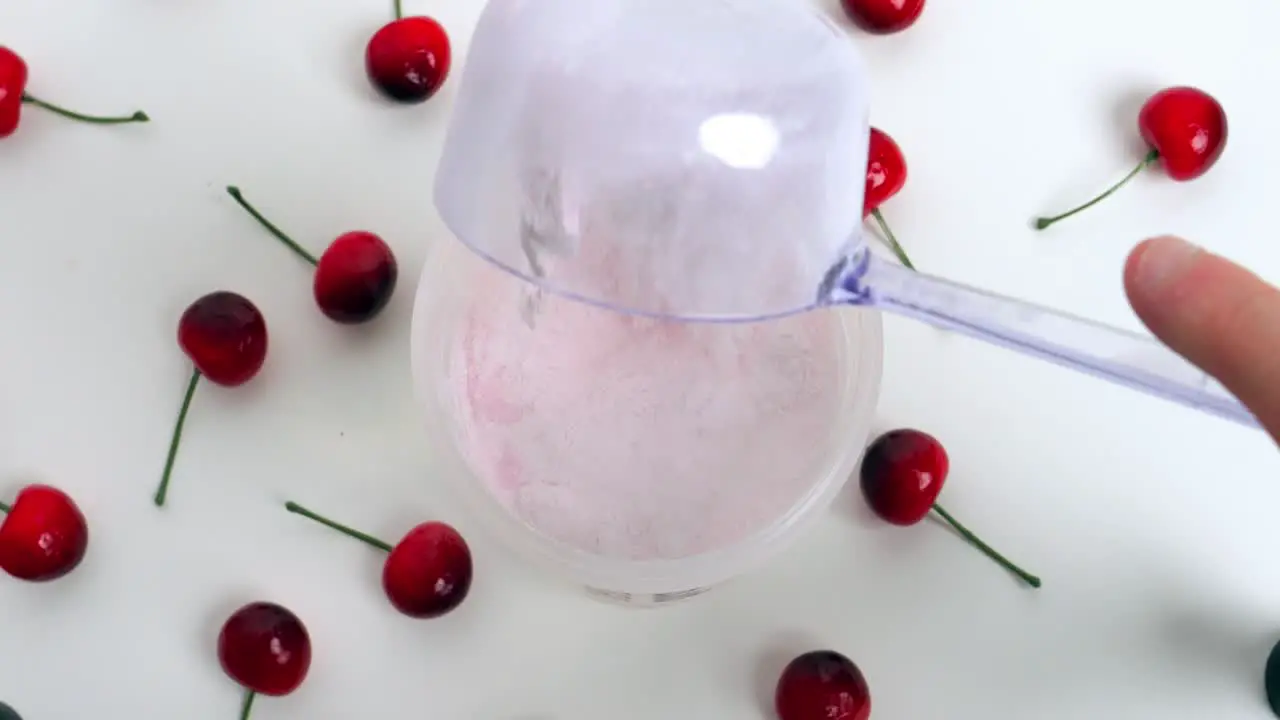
[225,336]
[13,84]
[428,573]
[822,685]
[883,17]
[265,648]
[408,59]
[1188,127]
[886,171]
[44,535]
[902,474]
[355,278]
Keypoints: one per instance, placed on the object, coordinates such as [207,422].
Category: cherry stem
[399,10]
[5,508]
[891,240]
[297,509]
[163,490]
[990,552]
[1152,156]
[234,192]
[247,707]
[137,117]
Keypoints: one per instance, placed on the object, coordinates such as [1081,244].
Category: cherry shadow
[1125,118]
[778,651]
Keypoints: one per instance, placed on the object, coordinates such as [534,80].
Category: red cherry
[266,649]
[822,685]
[426,575]
[1186,129]
[13,95]
[408,59]
[886,175]
[13,88]
[225,336]
[44,535]
[902,473]
[883,17]
[354,278]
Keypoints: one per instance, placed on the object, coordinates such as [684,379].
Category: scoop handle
[1107,352]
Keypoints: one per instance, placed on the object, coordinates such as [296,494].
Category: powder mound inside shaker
[637,438]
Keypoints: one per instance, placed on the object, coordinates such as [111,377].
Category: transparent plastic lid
[672,157]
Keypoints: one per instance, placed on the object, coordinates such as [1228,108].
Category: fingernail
[1163,261]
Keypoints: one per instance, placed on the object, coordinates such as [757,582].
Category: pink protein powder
[635,438]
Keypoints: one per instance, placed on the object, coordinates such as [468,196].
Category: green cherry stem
[247,707]
[297,509]
[891,240]
[990,552]
[5,508]
[399,10]
[235,193]
[137,117]
[163,490]
[1152,156]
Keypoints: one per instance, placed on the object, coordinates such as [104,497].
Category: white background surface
[1153,527]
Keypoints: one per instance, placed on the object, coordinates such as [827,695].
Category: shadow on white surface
[1128,106]
[777,652]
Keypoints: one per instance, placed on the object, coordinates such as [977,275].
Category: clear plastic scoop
[706,160]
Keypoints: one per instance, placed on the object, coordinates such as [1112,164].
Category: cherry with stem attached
[886,176]
[1185,130]
[427,574]
[266,649]
[14,94]
[225,336]
[408,59]
[354,278]
[902,474]
[43,536]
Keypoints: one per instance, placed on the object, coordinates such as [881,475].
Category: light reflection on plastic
[739,140]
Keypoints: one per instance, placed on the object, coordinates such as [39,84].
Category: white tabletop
[1153,527]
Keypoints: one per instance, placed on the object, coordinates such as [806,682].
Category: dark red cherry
[426,575]
[43,536]
[883,17]
[225,336]
[266,649]
[822,685]
[901,476]
[354,278]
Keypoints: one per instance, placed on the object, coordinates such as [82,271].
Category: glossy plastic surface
[454,279]
[646,156]
[1110,353]
[660,156]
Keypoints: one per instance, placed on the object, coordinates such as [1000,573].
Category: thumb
[1215,313]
